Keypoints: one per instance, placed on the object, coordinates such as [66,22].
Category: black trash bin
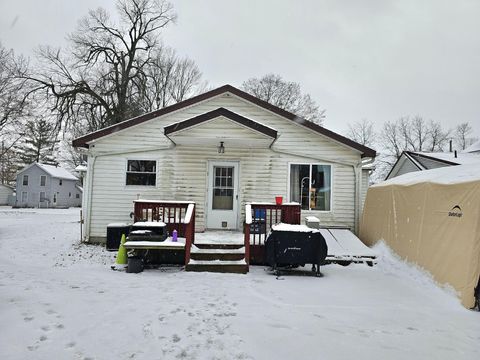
[295,245]
[114,235]
[135,264]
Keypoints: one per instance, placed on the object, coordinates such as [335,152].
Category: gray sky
[374,59]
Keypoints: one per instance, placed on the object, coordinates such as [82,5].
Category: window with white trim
[311,186]
[25,180]
[24,196]
[42,196]
[141,172]
[43,180]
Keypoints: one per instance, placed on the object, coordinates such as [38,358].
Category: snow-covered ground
[60,300]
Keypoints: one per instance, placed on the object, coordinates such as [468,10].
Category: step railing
[259,218]
[177,215]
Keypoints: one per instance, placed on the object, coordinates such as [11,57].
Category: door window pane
[223,189]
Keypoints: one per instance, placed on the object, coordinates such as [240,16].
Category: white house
[410,161]
[5,192]
[222,149]
[41,185]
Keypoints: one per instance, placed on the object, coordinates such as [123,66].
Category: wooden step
[217,254]
[219,246]
[219,266]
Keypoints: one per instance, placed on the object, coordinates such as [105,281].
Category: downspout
[357,169]
[88,215]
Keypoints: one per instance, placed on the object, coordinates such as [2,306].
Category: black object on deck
[141,231]
[114,235]
[286,249]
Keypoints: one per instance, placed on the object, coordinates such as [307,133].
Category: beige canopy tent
[431,218]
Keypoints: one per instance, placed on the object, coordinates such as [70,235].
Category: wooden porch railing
[259,218]
[177,215]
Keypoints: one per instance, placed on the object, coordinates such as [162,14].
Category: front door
[222,201]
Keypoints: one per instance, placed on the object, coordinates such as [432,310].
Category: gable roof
[84,140]
[53,171]
[446,158]
[225,113]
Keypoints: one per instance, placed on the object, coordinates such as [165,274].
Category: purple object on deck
[174,235]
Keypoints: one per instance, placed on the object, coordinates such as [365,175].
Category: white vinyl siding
[182,170]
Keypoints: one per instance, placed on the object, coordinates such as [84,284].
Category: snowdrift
[431,218]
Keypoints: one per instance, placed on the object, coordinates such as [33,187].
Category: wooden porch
[215,251]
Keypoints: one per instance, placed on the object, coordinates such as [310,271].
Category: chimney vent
[451,147]
[455,154]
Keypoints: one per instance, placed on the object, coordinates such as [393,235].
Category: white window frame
[45,182]
[44,196]
[311,164]
[141,186]
[25,177]
[26,196]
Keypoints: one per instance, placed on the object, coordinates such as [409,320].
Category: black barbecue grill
[290,246]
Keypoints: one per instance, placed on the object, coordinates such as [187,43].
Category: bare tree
[362,132]
[462,132]
[106,76]
[168,79]
[286,95]
[409,134]
[13,110]
[12,99]
[438,136]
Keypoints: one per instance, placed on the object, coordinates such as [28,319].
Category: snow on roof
[475,147]
[443,175]
[462,158]
[81,168]
[57,172]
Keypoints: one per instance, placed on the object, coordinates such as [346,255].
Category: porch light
[221,148]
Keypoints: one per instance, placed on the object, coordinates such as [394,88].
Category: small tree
[38,143]
[462,132]
[286,95]
[362,132]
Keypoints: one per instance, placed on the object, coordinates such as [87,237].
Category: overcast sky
[374,59]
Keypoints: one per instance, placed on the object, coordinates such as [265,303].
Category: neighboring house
[5,192]
[222,149]
[411,161]
[40,185]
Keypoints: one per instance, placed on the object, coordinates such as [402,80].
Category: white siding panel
[182,171]
[182,175]
[292,137]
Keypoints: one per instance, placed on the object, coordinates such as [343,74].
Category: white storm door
[222,201]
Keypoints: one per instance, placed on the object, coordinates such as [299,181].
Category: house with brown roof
[222,149]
